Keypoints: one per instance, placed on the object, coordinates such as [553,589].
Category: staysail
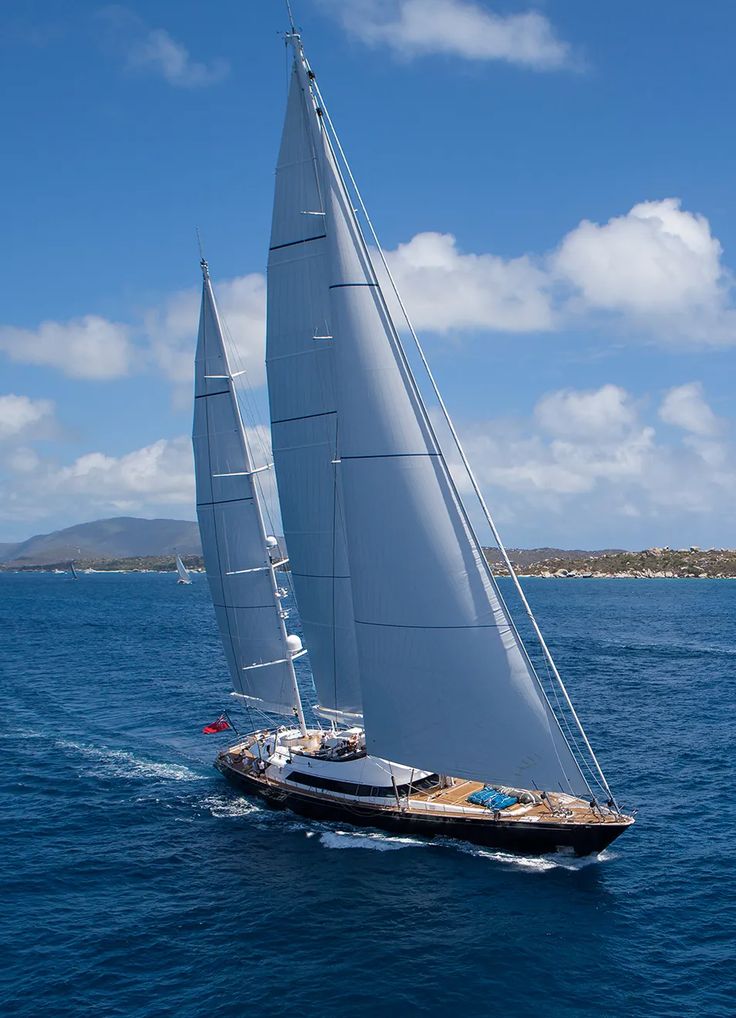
[300,365]
[237,560]
[446,684]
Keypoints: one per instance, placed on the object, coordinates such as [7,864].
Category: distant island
[104,542]
[131,544]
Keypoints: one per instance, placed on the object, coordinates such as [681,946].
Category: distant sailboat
[73,571]
[439,722]
[182,570]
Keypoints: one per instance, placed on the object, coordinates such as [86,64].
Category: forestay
[446,685]
[239,572]
[300,364]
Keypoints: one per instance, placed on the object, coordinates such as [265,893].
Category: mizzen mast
[237,551]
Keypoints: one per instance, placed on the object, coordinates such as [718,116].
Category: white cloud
[447,290]
[586,460]
[171,329]
[21,414]
[160,54]
[89,347]
[605,412]
[154,480]
[160,473]
[658,264]
[155,51]
[685,407]
[163,337]
[656,271]
[456,28]
[22,460]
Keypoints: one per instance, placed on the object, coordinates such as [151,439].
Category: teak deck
[452,801]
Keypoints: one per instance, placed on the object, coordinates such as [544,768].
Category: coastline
[536,563]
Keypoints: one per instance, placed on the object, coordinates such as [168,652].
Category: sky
[552,182]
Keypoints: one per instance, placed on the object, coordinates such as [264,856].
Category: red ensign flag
[217,726]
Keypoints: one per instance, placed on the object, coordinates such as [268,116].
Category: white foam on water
[380,842]
[228,806]
[533,863]
[121,764]
[369,839]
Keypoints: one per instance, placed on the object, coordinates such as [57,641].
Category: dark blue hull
[537,838]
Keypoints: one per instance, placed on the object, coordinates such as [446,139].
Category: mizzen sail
[304,424]
[239,570]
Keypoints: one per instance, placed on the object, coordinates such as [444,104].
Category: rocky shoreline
[651,564]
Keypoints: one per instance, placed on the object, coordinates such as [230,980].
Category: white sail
[236,557]
[182,570]
[446,684]
[299,357]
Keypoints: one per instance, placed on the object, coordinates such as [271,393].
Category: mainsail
[446,683]
[239,570]
[300,363]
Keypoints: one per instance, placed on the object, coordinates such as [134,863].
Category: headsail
[239,569]
[299,357]
[446,684]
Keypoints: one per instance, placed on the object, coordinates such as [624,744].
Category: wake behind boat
[439,722]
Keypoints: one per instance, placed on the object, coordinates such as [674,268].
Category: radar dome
[293,643]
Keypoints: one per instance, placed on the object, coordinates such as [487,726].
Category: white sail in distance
[446,683]
[236,556]
[304,425]
[182,570]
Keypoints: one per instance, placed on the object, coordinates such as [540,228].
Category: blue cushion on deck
[491,799]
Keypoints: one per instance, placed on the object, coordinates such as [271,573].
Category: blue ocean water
[135,882]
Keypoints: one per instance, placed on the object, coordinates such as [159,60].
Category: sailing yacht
[182,570]
[431,717]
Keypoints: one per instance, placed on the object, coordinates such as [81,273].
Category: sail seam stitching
[292,243]
[390,455]
[304,417]
[400,625]
[244,607]
[225,501]
[340,286]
